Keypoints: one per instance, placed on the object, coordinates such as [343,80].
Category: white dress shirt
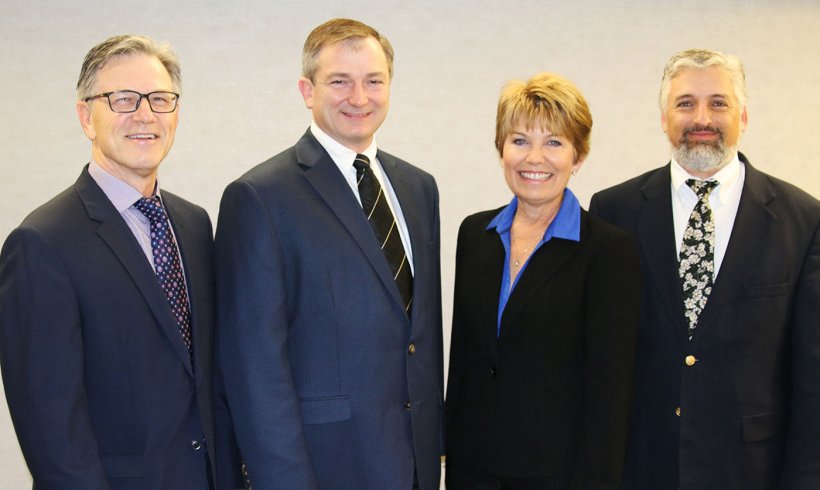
[723,200]
[344,157]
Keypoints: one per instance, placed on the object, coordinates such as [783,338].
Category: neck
[145,184]
[542,215]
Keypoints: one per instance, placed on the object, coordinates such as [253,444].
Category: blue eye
[519,141]
[554,142]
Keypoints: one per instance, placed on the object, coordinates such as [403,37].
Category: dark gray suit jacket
[100,386]
[750,406]
[330,384]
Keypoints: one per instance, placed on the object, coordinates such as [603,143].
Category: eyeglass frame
[139,101]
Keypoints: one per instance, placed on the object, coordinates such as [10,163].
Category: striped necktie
[377,211]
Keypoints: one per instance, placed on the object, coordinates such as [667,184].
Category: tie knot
[702,187]
[361,162]
[151,208]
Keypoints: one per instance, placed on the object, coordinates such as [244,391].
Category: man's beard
[705,156]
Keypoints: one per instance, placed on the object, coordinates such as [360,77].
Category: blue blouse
[566,225]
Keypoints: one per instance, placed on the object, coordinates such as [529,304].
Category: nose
[536,155]
[358,96]
[703,115]
[144,112]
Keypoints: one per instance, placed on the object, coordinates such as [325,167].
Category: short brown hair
[549,101]
[340,30]
[125,45]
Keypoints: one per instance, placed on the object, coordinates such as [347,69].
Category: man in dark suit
[329,337]
[107,300]
[727,391]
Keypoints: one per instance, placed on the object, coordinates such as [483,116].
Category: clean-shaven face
[350,93]
[129,146]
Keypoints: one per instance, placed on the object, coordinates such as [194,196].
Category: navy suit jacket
[100,386]
[549,398]
[330,384]
[746,414]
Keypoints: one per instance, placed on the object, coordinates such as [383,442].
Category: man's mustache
[699,128]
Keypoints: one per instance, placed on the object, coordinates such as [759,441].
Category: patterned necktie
[167,264]
[375,207]
[697,254]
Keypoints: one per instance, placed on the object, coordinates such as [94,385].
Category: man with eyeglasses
[107,302]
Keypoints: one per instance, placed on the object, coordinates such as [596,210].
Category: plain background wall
[240,105]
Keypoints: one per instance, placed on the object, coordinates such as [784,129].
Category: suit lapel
[656,237]
[410,200]
[752,224]
[193,265]
[324,176]
[115,233]
[491,255]
[544,263]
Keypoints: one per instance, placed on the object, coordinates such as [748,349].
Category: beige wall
[240,104]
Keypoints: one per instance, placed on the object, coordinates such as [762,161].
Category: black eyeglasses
[124,101]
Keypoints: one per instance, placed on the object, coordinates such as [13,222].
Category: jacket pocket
[766,291]
[325,409]
[122,465]
[758,428]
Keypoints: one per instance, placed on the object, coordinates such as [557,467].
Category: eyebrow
[341,74]
[693,96]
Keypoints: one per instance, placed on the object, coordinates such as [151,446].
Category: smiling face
[703,119]
[537,166]
[350,93]
[130,146]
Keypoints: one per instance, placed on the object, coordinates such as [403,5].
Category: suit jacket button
[493,371]
[408,405]
[196,445]
[690,360]
[677,411]
[411,349]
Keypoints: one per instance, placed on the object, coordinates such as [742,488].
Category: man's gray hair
[125,45]
[703,58]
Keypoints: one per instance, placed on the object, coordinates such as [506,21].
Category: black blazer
[550,397]
[100,386]
[750,405]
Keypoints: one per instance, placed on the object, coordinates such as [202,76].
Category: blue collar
[566,225]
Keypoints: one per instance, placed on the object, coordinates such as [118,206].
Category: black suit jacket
[550,397]
[100,386]
[331,385]
[750,406]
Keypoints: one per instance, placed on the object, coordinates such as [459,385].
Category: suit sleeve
[611,313]
[41,353]
[801,469]
[457,359]
[252,336]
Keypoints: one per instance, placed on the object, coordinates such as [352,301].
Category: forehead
[353,54]
[136,71]
[702,82]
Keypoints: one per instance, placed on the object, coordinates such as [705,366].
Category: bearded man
[728,355]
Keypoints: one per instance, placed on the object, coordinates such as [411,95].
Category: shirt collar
[727,178]
[341,155]
[565,225]
[121,194]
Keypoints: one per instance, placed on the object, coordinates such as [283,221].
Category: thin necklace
[523,255]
